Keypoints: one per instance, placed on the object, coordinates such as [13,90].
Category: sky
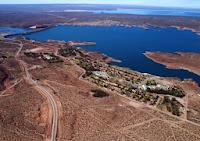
[163,3]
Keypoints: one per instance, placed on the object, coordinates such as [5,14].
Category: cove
[129,44]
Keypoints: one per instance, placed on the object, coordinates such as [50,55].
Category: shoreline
[27,33]
[174,60]
[180,28]
[110,59]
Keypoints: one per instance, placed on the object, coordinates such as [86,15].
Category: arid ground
[26,113]
[45,16]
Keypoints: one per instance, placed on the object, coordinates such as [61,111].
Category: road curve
[49,96]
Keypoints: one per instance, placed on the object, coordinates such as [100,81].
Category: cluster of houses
[123,81]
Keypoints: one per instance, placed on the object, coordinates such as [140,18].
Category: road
[48,95]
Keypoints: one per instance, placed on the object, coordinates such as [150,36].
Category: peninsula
[79,43]
[179,60]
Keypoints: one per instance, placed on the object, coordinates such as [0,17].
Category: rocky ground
[25,113]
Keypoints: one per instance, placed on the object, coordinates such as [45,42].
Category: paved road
[50,97]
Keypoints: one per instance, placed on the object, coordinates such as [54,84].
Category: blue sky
[170,3]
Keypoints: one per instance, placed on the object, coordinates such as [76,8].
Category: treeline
[174,91]
[3,57]
[151,83]
[34,55]
[67,52]
[172,105]
[71,51]
[51,58]
[99,93]
[54,59]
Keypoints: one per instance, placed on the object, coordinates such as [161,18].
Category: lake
[129,44]
[145,12]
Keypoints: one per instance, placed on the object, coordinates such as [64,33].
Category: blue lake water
[13,30]
[129,44]
[147,12]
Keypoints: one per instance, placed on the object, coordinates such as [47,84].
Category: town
[137,86]
[141,87]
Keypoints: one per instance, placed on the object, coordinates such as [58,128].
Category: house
[162,87]
[144,87]
[134,91]
[101,74]
[48,57]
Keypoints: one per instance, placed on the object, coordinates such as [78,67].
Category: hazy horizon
[154,3]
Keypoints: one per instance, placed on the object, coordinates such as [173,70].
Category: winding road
[47,94]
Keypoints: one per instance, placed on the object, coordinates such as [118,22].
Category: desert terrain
[26,112]
[45,16]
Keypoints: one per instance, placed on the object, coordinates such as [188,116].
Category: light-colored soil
[111,118]
[27,114]
[134,104]
[24,115]
[35,50]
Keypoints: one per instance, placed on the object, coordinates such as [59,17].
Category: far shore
[45,27]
